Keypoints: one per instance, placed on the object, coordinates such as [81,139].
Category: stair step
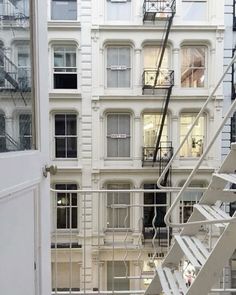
[212,213]
[227,177]
[193,249]
[172,282]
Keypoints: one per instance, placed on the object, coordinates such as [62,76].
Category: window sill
[119,230]
[65,93]
[64,23]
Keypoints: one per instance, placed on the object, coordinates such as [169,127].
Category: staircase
[208,263]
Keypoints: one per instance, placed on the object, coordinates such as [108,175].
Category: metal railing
[165,79]
[153,9]
[164,153]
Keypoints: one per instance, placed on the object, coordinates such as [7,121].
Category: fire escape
[15,80]
[158,81]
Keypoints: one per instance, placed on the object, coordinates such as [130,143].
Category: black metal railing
[10,12]
[234,15]
[158,9]
[165,79]
[164,154]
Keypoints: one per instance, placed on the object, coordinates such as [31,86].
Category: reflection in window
[25,130]
[66,207]
[65,136]
[118,66]
[65,70]
[2,134]
[118,135]
[118,210]
[24,67]
[193,146]
[118,10]
[193,66]
[194,10]
[64,9]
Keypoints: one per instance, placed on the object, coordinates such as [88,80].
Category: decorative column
[176,66]
[137,71]
[137,142]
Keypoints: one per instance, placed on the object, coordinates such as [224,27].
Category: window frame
[204,136]
[117,19]
[205,68]
[75,72]
[3,136]
[129,136]
[70,207]
[119,67]
[63,20]
[66,158]
[118,186]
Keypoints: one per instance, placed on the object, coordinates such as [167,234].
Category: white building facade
[104,121]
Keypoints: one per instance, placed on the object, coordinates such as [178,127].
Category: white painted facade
[92,34]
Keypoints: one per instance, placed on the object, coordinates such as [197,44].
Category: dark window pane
[61,217]
[74,218]
[60,147]
[65,81]
[60,125]
[71,147]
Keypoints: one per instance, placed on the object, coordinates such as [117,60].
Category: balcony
[158,9]
[12,15]
[165,79]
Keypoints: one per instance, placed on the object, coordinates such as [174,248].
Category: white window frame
[129,136]
[68,45]
[204,135]
[64,136]
[63,20]
[119,186]
[119,67]
[205,68]
[70,206]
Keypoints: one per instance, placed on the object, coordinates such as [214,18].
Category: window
[65,136]
[66,207]
[65,276]
[65,70]
[64,9]
[118,66]
[24,67]
[187,201]
[118,9]
[118,135]
[151,127]
[233,274]
[117,269]
[2,79]
[118,210]
[193,146]
[193,66]
[2,134]
[194,10]
[25,131]
[150,62]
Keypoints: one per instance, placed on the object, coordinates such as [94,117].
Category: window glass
[118,10]
[16,78]
[2,134]
[193,66]
[65,276]
[65,69]
[118,217]
[65,136]
[193,146]
[64,9]
[188,199]
[25,131]
[118,135]
[118,66]
[66,207]
[152,55]
[117,269]
[194,10]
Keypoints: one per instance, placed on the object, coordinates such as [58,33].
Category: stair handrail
[205,152]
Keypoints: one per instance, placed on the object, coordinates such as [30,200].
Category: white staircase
[208,263]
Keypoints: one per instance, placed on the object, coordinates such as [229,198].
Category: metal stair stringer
[207,209]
